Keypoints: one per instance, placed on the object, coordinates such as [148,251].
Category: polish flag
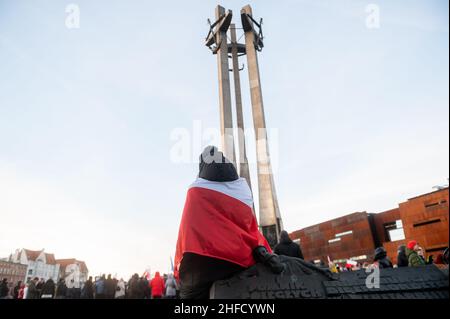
[350,263]
[218,222]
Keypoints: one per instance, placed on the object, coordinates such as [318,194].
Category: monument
[218,36]
[302,280]
[270,221]
[299,279]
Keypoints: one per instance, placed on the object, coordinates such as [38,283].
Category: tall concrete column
[226,118]
[269,213]
[242,162]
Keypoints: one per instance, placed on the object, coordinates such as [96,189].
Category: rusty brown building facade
[423,218]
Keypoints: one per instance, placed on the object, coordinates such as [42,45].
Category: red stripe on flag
[217,225]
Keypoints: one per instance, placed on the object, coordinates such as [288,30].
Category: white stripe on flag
[237,189]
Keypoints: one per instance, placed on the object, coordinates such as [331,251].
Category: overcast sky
[87,117]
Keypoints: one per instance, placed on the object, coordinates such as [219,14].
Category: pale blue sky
[86,116]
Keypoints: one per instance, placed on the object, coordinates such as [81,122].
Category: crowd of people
[138,287]
[410,255]
[34,289]
[166,286]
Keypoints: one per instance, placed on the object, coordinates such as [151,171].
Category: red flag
[218,222]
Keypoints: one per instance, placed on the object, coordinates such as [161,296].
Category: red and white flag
[218,222]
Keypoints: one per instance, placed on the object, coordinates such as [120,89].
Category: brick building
[423,218]
[14,272]
[341,238]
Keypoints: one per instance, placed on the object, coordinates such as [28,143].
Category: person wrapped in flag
[218,234]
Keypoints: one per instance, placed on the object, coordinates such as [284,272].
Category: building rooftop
[69,261]
[50,259]
[32,254]
[433,192]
